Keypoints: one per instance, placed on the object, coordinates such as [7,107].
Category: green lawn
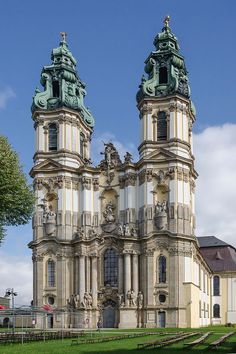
[126,346]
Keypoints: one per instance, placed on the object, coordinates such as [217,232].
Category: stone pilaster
[94,273]
[121,274]
[76,274]
[81,276]
[127,274]
[149,278]
[135,274]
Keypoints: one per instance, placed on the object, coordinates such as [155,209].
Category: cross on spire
[63,36]
[166,21]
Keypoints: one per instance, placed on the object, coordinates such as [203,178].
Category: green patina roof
[166,58]
[62,84]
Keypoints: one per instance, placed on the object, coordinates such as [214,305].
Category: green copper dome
[62,85]
[165,68]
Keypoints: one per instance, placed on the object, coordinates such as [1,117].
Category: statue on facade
[126,230]
[120,230]
[71,302]
[81,232]
[85,301]
[77,301]
[140,300]
[108,214]
[132,298]
[111,156]
[133,232]
[128,157]
[160,217]
[160,207]
[90,300]
[49,217]
[120,300]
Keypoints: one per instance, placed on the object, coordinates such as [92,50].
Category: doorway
[109,314]
[49,321]
[6,322]
[162,319]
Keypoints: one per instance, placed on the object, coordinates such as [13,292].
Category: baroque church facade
[114,245]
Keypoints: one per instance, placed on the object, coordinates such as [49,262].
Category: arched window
[216,311]
[162,269]
[51,273]
[82,138]
[111,267]
[216,285]
[161,126]
[163,76]
[52,137]
[55,88]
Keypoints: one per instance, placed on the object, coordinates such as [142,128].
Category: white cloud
[5,95]
[215,152]
[16,272]
[97,147]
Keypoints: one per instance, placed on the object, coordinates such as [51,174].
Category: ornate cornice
[50,183]
[86,182]
[145,175]
[128,179]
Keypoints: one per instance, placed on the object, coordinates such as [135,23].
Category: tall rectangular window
[161,126]
[52,137]
[51,273]
[216,285]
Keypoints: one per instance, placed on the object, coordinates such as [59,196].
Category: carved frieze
[145,175]
[86,183]
[75,183]
[95,182]
[129,179]
[49,183]
[68,181]
[149,252]
[192,185]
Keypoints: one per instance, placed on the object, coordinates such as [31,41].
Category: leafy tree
[16,196]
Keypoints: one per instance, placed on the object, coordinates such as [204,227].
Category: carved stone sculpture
[126,230]
[71,302]
[140,300]
[160,217]
[49,218]
[108,214]
[128,157]
[120,300]
[133,232]
[77,301]
[132,298]
[111,157]
[120,231]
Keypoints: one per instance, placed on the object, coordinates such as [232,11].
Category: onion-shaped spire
[62,84]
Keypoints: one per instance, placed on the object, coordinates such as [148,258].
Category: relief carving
[160,217]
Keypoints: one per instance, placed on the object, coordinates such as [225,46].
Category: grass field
[124,346]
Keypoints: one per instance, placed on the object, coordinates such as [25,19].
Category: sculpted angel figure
[108,213]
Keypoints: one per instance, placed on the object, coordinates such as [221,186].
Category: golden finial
[166,21]
[63,36]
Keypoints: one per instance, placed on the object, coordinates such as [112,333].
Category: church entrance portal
[109,314]
[162,319]
[6,322]
[50,321]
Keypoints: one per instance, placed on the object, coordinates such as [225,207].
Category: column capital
[80,254]
[93,254]
[127,252]
[149,252]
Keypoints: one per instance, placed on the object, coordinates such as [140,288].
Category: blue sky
[111,40]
